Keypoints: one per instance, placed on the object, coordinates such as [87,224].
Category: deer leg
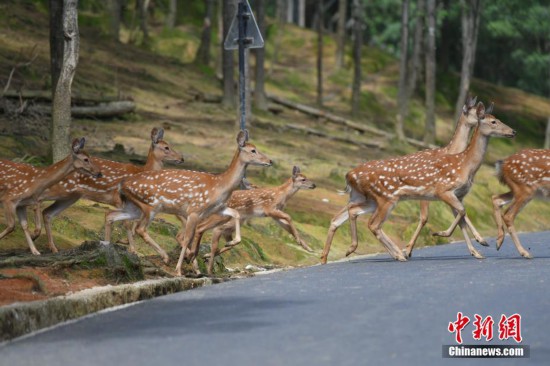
[424,211]
[190,227]
[375,225]
[475,233]
[214,249]
[9,210]
[141,230]
[22,216]
[499,201]
[509,217]
[337,221]
[237,217]
[128,212]
[50,212]
[355,210]
[285,221]
[37,222]
[181,233]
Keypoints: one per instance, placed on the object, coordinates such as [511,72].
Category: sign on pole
[243,34]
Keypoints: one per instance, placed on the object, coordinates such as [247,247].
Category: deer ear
[472,102]
[295,171]
[489,110]
[156,135]
[480,110]
[242,137]
[78,144]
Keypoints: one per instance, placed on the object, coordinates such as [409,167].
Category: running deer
[377,186]
[459,141]
[527,174]
[251,203]
[22,184]
[104,189]
[189,194]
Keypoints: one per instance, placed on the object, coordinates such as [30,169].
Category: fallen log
[46,95]
[102,110]
[311,131]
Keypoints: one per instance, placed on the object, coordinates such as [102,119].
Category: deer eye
[86,160]
[493,122]
[253,151]
[166,148]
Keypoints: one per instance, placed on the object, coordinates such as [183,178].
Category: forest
[338,83]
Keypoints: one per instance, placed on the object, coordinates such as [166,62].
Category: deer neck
[152,162]
[285,191]
[54,173]
[459,141]
[232,177]
[474,153]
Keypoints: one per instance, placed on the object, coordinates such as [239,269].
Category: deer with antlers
[22,184]
[190,194]
[105,189]
[251,203]
[527,174]
[377,186]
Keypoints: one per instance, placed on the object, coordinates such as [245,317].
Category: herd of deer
[204,201]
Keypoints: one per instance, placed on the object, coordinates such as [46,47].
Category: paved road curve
[369,311]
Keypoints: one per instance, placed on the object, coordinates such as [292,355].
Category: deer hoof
[35,251]
[324,259]
[526,255]
[478,255]
[104,242]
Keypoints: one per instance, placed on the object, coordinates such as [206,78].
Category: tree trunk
[203,52]
[259,90]
[142,9]
[171,16]
[341,33]
[64,47]
[429,135]
[418,46]
[281,9]
[302,13]
[477,16]
[357,44]
[290,11]
[402,92]
[547,139]
[320,13]
[470,16]
[229,8]
[116,8]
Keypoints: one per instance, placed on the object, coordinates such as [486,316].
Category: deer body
[189,194]
[377,186]
[21,185]
[527,174]
[253,203]
[105,189]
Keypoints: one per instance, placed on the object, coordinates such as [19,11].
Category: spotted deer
[251,203]
[189,194]
[377,186]
[22,184]
[105,189]
[527,174]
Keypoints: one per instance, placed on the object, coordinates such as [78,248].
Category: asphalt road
[368,311]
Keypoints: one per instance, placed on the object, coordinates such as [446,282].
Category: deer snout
[511,134]
[98,175]
[313,186]
[269,163]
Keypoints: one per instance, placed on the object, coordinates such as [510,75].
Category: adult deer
[105,189]
[377,186]
[190,194]
[527,174]
[251,203]
[458,143]
[22,184]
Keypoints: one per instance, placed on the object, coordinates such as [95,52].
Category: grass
[159,76]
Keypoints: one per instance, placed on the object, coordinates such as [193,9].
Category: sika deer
[256,202]
[527,174]
[377,186]
[22,184]
[105,189]
[193,195]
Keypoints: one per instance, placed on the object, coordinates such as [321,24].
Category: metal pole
[242,13]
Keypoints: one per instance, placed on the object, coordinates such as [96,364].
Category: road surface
[367,311]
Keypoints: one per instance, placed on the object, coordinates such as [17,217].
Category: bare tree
[470,23]
[547,139]
[402,93]
[290,11]
[203,52]
[228,67]
[302,13]
[281,12]
[418,47]
[341,33]
[143,5]
[429,135]
[172,12]
[320,13]
[64,48]
[259,89]
[116,9]
[357,44]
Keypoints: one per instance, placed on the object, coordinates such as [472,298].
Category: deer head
[81,159]
[489,125]
[248,153]
[300,181]
[470,112]
[161,149]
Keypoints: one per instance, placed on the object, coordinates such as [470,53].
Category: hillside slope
[163,82]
